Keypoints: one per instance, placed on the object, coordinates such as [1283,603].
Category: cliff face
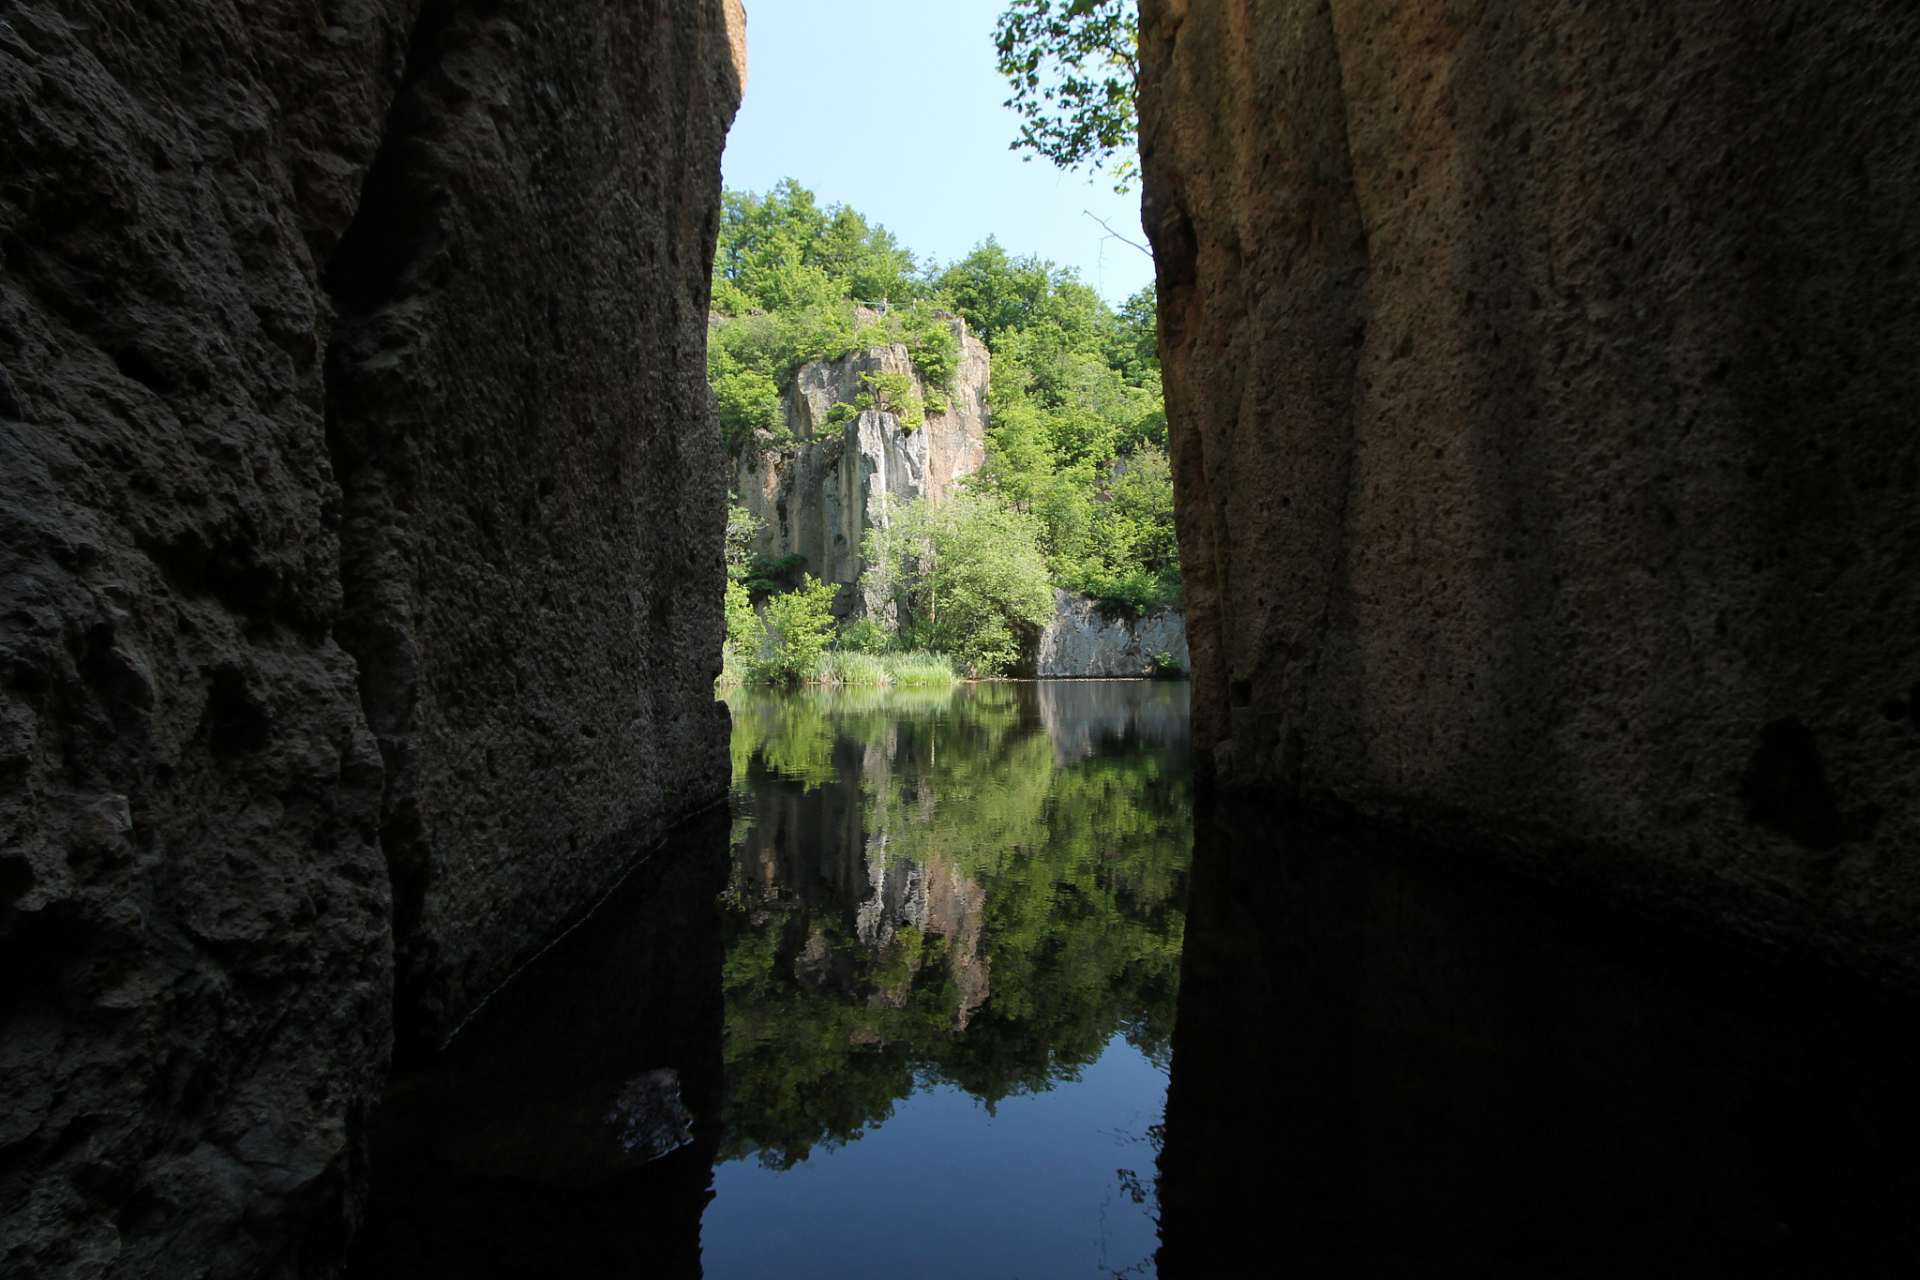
[534,500]
[1542,383]
[213,500]
[1083,641]
[820,495]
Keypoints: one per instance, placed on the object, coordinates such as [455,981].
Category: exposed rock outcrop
[1542,384]
[820,495]
[1083,641]
[196,928]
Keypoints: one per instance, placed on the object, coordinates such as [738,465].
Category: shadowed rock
[331,332]
[1542,383]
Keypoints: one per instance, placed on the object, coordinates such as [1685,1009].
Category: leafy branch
[1073,66]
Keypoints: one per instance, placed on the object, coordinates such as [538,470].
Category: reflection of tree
[922,893]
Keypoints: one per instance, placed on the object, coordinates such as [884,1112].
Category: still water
[907,1007]
[913,1021]
[952,929]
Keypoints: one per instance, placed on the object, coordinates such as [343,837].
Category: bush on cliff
[752,358]
[1077,432]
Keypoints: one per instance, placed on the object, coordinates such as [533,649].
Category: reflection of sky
[943,1189]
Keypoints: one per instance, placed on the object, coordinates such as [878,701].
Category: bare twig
[1116,235]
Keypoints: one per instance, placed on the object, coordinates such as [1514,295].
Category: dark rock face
[534,496]
[1543,383]
[196,933]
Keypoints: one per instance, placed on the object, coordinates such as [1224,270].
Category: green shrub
[799,623]
[864,635]
[743,528]
[893,392]
[769,575]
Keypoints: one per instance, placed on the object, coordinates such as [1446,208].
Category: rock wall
[1083,641]
[820,495]
[534,496]
[196,817]
[1543,383]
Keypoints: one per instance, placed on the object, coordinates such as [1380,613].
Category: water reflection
[568,1130]
[1395,1063]
[957,923]
[956,912]
[977,888]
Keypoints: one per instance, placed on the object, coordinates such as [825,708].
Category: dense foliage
[1075,491]
[1069,879]
[966,577]
[1075,410]
[792,278]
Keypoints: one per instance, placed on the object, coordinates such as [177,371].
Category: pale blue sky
[893,107]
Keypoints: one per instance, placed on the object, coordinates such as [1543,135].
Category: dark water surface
[908,1010]
[914,996]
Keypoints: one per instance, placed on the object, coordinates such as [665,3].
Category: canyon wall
[360,510]
[1542,382]
[534,498]
[818,495]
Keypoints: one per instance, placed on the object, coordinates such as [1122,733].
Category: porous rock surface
[818,496]
[532,525]
[1542,383]
[196,929]
[1082,640]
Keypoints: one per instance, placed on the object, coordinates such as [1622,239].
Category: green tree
[743,528]
[996,292]
[967,577]
[782,251]
[1134,561]
[1073,65]
[745,633]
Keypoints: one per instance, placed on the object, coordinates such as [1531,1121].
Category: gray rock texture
[820,495]
[1083,641]
[1543,383]
[534,497]
[196,923]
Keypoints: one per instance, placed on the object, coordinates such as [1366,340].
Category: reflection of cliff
[1084,717]
[931,888]
[819,495]
[863,903]
[936,900]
